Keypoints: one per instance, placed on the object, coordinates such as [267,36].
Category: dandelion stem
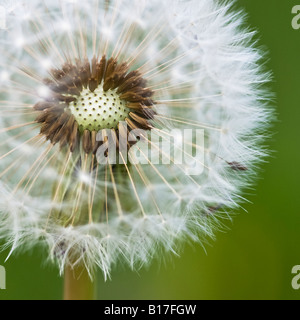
[78,285]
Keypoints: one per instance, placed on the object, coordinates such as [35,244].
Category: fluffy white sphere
[203,75]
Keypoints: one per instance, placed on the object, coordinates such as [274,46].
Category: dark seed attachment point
[66,85]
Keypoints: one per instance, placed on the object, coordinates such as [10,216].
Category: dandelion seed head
[72,71]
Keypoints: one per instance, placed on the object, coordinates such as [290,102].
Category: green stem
[78,285]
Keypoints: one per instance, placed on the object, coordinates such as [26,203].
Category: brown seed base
[66,84]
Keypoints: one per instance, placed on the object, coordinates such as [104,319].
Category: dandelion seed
[125,73]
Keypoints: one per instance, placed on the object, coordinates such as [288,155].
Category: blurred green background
[252,260]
